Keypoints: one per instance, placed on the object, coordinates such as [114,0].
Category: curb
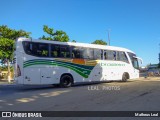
[6,84]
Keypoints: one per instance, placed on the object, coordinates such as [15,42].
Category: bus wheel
[66,80]
[125,76]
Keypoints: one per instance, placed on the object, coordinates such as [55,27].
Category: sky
[133,24]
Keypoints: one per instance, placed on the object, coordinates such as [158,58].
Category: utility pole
[108,37]
[159,53]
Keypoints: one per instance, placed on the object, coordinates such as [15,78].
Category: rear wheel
[66,81]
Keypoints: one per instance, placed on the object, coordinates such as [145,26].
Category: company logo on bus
[111,64]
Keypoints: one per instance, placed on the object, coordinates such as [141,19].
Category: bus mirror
[140,59]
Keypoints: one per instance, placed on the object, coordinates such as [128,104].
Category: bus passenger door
[31,76]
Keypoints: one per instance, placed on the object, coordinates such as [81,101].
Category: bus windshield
[135,63]
[134,60]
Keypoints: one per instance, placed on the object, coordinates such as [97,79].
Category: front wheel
[124,77]
[66,81]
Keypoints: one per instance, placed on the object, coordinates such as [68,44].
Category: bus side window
[121,56]
[105,55]
[101,54]
[91,53]
[87,53]
[110,55]
[98,54]
[118,55]
[35,50]
[65,52]
[125,59]
[55,51]
[43,50]
[114,55]
[76,52]
[27,47]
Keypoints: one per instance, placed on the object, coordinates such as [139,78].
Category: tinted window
[87,53]
[36,49]
[60,51]
[65,52]
[42,49]
[121,56]
[55,51]
[27,47]
[114,55]
[105,55]
[98,54]
[76,52]
[80,52]
[109,55]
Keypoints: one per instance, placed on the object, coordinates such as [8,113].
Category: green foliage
[58,35]
[7,39]
[6,48]
[12,34]
[44,53]
[74,41]
[100,42]
[5,68]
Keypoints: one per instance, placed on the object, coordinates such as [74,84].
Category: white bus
[39,62]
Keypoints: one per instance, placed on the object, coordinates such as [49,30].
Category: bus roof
[77,44]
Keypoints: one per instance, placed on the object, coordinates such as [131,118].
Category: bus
[39,62]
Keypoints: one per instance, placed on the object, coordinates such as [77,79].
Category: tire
[66,81]
[125,77]
[56,85]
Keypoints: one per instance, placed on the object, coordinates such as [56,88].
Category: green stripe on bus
[78,70]
[78,65]
[57,62]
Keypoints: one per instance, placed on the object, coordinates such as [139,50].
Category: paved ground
[141,94]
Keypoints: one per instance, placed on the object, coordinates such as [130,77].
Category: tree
[12,34]
[58,35]
[74,41]
[7,39]
[100,42]
[6,52]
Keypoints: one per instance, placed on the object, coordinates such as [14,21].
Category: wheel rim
[66,81]
[124,77]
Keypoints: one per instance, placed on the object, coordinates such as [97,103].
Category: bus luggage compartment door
[31,76]
[46,76]
[99,75]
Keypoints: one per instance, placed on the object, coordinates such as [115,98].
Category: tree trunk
[9,72]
